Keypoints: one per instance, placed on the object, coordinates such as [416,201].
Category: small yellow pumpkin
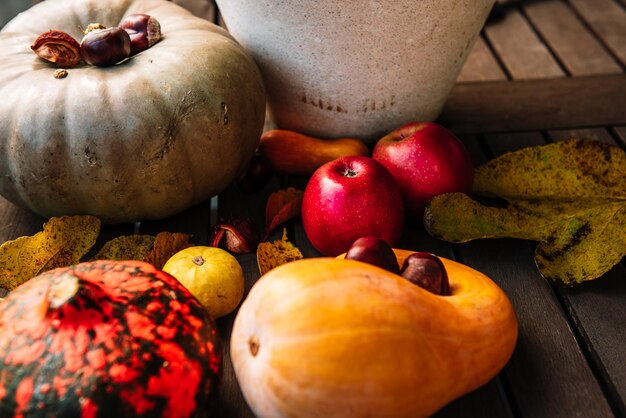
[340,338]
[212,275]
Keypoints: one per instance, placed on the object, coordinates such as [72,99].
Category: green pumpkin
[144,139]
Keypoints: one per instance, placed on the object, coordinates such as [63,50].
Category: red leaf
[282,206]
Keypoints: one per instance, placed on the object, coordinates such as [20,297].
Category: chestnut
[427,271]
[105,47]
[144,31]
[376,251]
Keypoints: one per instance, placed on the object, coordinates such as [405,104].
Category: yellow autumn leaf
[63,242]
[126,247]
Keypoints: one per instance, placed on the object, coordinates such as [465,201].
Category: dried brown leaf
[272,254]
[166,244]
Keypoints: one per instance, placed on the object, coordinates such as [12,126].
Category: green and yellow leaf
[570,196]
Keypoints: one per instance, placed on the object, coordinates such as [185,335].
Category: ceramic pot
[356,68]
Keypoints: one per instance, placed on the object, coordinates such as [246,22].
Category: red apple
[426,160]
[349,198]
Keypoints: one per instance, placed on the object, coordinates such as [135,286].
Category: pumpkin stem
[254,345]
[62,290]
[198,260]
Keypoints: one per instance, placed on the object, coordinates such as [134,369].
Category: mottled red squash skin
[106,339]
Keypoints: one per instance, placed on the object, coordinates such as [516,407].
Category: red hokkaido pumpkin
[106,339]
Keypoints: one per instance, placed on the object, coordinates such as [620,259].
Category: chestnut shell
[105,47]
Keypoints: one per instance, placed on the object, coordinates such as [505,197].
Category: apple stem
[348,172]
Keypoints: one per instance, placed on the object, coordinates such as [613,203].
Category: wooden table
[541,71]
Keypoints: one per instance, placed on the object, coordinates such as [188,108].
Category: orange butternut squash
[291,152]
[340,338]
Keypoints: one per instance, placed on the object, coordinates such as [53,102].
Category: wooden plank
[547,373]
[607,18]
[194,221]
[506,142]
[576,48]
[485,401]
[17,221]
[520,49]
[598,309]
[547,353]
[621,135]
[232,203]
[536,104]
[481,65]
[475,148]
[299,236]
[597,134]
